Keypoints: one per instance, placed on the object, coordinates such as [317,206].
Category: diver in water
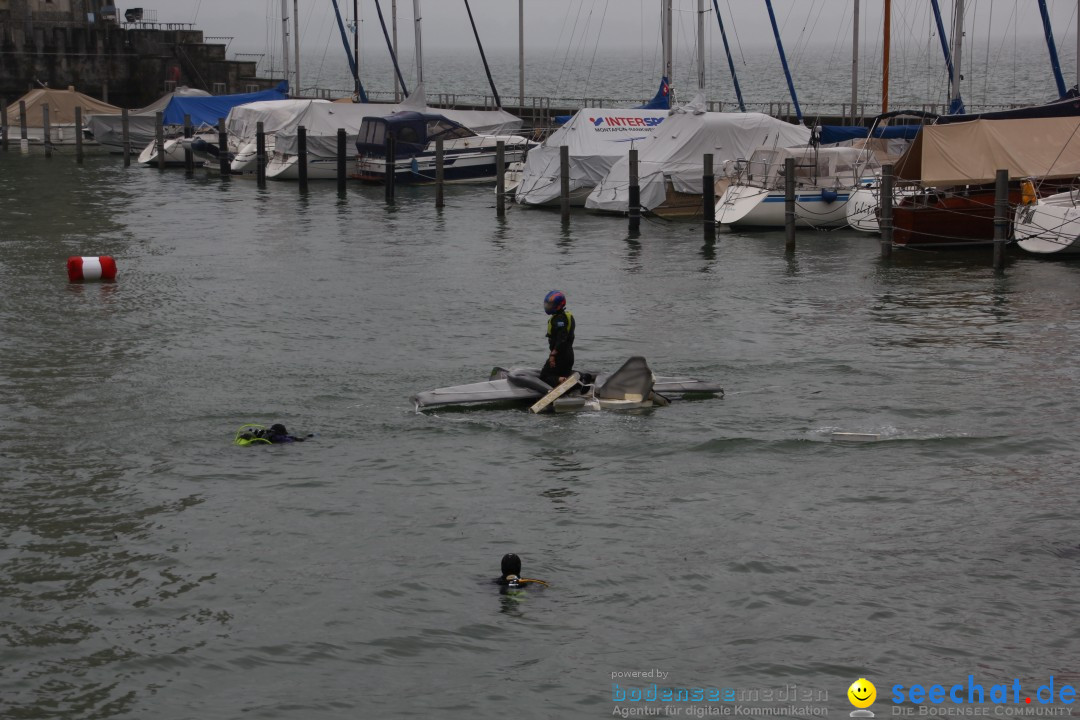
[560,335]
[257,434]
[511,574]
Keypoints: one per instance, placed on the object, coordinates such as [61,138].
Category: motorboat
[632,386]
[1049,225]
[825,180]
[467,156]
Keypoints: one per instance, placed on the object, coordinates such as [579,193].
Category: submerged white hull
[1051,226]
[318,168]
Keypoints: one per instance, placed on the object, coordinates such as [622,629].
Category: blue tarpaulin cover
[207,110]
[840,133]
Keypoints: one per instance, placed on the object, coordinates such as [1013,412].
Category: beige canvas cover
[62,104]
[971,153]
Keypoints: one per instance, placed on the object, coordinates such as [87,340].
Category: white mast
[285,43]
[958,35]
[419,51]
[296,42]
[521,54]
[665,30]
[855,63]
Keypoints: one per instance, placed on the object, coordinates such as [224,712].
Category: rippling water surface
[152,569]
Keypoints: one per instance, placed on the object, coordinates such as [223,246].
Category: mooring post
[189,155]
[789,204]
[634,207]
[125,135]
[260,154]
[301,156]
[223,148]
[159,140]
[22,121]
[388,169]
[500,179]
[78,135]
[564,182]
[4,124]
[885,221]
[440,173]
[46,130]
[342,144]
[708,198]
[1001,217]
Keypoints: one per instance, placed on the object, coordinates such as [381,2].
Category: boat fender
[828,195]
[1027,192]
[415,167]
[524,379]
[101,267]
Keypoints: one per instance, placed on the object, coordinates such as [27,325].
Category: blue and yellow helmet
[554,301]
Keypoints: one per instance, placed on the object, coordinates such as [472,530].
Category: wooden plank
[560,390]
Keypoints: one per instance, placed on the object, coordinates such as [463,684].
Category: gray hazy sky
[567,26]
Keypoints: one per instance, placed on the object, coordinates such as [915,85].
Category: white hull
[318,168]
[174,152]
[749,206]
[465,160]
[1051,226]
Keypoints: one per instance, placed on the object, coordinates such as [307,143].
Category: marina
[789,459]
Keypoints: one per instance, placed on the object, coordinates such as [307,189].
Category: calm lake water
[150,568]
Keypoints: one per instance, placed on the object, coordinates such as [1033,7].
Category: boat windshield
[446,130]
[373,132]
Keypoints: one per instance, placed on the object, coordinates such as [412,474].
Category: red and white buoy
[95,267]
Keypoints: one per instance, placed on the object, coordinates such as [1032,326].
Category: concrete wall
[126,67]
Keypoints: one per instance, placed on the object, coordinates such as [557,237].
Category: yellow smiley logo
[862,693]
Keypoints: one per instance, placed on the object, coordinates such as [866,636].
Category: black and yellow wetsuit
[560,335]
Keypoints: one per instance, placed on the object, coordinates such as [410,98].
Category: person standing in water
[560,336]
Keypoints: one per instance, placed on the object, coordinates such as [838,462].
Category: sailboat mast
[783,61]
[521,54]
[701,45]
[285,43]
[296,40]
[958,36]
[419,51]
[855,62]
[356,43]
[1055,65]
[730,60]
[885,58]
[665,28]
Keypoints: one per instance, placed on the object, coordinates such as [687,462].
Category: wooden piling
[4,125]
[125,136]
[22,120]
[1001,217]
[260,154]
[440,172]
[885,220]
[789,204]
[708,198]
[46,131]
[78,135]
[301,157]
[342,144]
[564,182]
[223,149]
[500,179]
[189,154]
[634,206]
[388,170]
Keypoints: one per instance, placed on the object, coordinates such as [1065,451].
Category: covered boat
[955,165]
[107,129]
[631,386]
[61,104]
[468,157]
[671,160]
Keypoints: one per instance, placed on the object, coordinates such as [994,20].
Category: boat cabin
[412,133]
[825,166]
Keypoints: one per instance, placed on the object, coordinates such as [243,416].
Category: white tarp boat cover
[275,115]
[971,153]
[142,123]
[322,122]
[61,104]
[595,138]
[676,149]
